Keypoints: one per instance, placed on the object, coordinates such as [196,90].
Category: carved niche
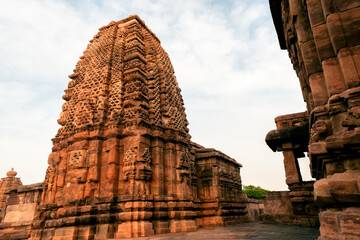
[137,171]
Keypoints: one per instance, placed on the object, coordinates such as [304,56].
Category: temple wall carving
[322,39]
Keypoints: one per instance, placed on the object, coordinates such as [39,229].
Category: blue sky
[234,78]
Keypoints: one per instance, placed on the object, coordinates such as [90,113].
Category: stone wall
[255,209]
[21,204]
[278,203]
[322,39]
[279,209]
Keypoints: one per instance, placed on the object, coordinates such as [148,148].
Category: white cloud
[233,76]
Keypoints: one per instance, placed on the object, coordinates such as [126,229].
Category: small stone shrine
[122,163]
[7,184]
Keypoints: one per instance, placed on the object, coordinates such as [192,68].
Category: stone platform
[254,230]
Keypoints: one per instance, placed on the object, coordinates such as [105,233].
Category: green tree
[255,192]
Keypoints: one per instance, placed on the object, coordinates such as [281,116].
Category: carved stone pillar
[291,138]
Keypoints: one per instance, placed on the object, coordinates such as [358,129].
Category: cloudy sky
[234,78]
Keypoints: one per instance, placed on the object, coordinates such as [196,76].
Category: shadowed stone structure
[292,138]
[323,41]
[221,201]
[122,163]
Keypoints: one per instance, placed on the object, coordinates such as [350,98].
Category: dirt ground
[255,230]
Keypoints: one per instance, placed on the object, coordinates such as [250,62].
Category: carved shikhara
[122,164]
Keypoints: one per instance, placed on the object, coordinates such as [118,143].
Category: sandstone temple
[122,163]
[322,38]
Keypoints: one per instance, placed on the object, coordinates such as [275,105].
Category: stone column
[291,138]
[291,164]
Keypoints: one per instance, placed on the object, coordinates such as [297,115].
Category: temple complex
[122,163]
[323,42]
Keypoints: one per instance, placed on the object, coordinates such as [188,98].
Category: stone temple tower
[123,149]
[122,164]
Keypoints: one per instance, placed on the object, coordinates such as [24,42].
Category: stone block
[310,57]
[161,227]
[111,172]
[134,229]
[94,145]
[104,231]
[323,42]
[36,234]
[303,28]
[65,233]
[343,186]
[182,226]
[333,76]
[46,234]
[349,19]
[322,194]
[328,225]
[348,68]
[79,145]
[327,6]
[135,216]
[278,203]
[349,223]
[86,232]
[318,88]
[355,52]
[316,14]
[212,221]
[93,174]
[20,213]
[335,31]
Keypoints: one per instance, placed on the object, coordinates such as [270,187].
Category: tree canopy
[255,192]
